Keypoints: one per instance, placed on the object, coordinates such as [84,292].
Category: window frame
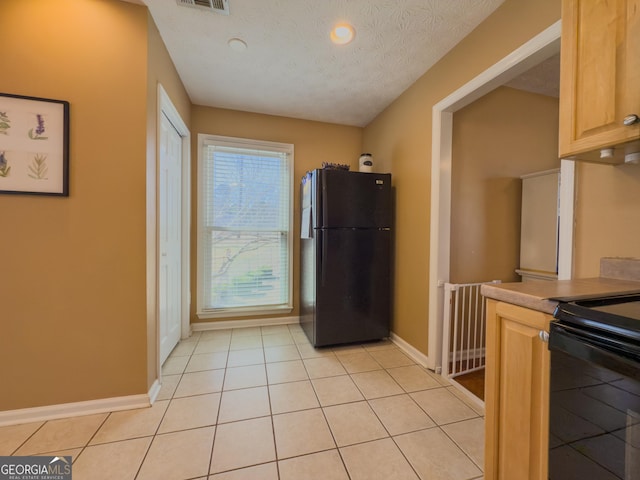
[205,140]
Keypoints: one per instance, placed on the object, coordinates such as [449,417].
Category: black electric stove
[594,428]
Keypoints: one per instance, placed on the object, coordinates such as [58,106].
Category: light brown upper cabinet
[600,79]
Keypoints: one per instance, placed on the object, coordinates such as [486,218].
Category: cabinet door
[516,394]
[599,74]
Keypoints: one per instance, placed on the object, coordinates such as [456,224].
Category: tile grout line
[273,427]
[216,426]
[29,437]
[313,388]
[481,468]
[382,423]
[299,348]
[153,437]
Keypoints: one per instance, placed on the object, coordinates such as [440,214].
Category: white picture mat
[20,149]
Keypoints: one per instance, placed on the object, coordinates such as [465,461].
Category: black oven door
[594,427]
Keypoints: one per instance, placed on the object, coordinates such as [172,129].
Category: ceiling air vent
[218,6]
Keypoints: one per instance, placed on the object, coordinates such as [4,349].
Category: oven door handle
[594,349]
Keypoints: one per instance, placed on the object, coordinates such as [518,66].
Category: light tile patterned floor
[262,403]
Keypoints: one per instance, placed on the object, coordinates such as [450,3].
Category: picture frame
[34,145]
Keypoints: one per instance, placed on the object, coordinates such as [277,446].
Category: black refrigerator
[345,267]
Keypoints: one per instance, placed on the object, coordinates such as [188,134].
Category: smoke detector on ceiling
[218,6]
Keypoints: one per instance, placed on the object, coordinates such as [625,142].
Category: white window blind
[245,220]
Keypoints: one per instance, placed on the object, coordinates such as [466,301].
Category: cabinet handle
[544,336]
[631,120]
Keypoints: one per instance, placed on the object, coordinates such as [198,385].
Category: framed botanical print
[34,145]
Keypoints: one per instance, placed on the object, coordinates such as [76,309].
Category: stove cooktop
[627,306]
[618,315]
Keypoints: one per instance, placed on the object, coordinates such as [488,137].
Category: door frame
[539,48]
[166,107]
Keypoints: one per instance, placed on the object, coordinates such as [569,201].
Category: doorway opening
[540,48]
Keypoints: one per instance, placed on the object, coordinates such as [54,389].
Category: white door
[169,228]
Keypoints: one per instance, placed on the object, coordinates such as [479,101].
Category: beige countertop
[537,295]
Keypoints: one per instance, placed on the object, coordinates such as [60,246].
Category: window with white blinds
[245,223]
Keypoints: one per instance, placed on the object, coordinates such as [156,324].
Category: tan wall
[72,274]
[493,145]
[400,140]
[160,71]
[314,143]
[607,215]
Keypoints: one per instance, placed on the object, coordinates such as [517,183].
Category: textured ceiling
[290,67]
[544,78]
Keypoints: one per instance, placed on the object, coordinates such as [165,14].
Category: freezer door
[353,199]
[353,286]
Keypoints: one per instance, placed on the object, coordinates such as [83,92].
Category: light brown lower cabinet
[516,393]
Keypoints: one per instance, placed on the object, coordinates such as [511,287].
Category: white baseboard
[421,358]
[75,409]
[415,354]
[129,402]
[154,391]
[250,322]
[479,404]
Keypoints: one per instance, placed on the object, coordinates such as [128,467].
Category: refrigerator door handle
[322,253]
